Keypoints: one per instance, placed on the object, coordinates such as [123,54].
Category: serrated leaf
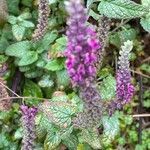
[108,88]
[31,89]
[71,142]
[62,78]
[121,9]
[59,113]
[27,24]
[111,126]
[91,137]
[12,20]
[46,41]
[19,133]
[18,32]
[18,49]
[52,141]
[54,65]
[28,59]
[145,22]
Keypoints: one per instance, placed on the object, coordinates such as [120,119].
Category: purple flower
[28,123]
[82,46]
[125,89]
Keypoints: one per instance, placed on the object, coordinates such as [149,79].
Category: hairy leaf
[28,59]
[31,89]
[91,137]
[121,9]
[145,22]
[54,65]
[108,88]
[111,126]
[18,49]
[18,32]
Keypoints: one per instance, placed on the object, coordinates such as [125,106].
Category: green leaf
[12,20]
[33,73]
[52,141]
[27,24]
[28,59]
[121,9]
[71,142]
[91,137]
[3,59]
[94,15]
[31,89]
[111,126]
[145,22]
[89,3]
[13,6]
[27,2]
[46,81]
[146,3]
[18,49]
[48,39]
[108,88]
[18,134]
[62,78]
[59,113]
[3,44]
[54,65]
[18,32]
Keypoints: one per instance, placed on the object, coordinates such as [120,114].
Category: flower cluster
[102,32]
[82,46]
[28,123]
[42,20]
[125,89]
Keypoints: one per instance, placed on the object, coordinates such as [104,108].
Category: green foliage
[31,89]
[54,65]
[18,49]
[45,82]
[111,126]
[108,88]
[121,9]
[91,137]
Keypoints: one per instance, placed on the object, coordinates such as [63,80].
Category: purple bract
[82,46]
[28,123]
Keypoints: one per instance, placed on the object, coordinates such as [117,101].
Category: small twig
[145,60]
[120,25]
[140,73]
[140,115]
[9,89]
[21,97]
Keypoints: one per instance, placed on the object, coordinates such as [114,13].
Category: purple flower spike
[28,123]
[125,89]
[83,46]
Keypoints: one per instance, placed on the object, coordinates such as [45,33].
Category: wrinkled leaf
[121,9]
[18,49]
[108,88]
[28,59]
[31,89]
[18,32]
